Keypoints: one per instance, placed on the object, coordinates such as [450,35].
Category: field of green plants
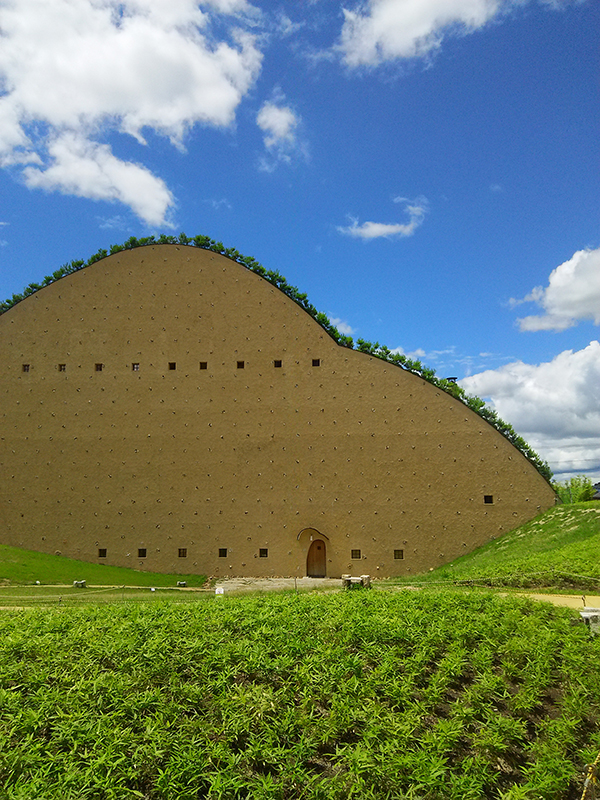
[559,549]
[398,694]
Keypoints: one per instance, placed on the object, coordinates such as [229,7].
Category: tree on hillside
[575,490]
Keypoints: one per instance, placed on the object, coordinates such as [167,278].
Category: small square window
[263,552]
[135,367]
[316,362]
[141,552]
[204,365]
[25,368]
[488,499]
[222,552]
[102,552]
[62,367]
[355,554]
[398,554]
[277,362]
[99,367]
[172,365]
[240,365]
[182,552]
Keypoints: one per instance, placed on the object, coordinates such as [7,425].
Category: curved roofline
[377,350]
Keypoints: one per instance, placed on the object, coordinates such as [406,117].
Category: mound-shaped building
[167,409]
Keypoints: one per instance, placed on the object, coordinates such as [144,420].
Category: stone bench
[349,582]
[591,617]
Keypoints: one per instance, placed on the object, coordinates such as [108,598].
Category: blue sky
[426,170]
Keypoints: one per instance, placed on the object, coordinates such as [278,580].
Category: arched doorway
[316,560]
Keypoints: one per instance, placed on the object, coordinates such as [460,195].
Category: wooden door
[316,564]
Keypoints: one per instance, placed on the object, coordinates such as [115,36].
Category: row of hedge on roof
[374,349]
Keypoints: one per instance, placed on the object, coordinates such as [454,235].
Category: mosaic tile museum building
[167,409]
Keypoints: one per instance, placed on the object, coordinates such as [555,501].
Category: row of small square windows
[182,552]
[357,554]
[263,552]
[277,363]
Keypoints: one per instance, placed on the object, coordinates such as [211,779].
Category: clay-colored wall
[357,450]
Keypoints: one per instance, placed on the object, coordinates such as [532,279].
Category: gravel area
[235,585]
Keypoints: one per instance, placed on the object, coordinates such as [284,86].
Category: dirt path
[235,585]
[245,585]
[578,601]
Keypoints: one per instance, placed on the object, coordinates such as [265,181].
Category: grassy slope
[560,548]
[27,566]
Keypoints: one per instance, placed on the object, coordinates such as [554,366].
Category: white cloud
[414,354]
[384,30]
[285,26]
[280,126]
[342,326]
[555,405]
[572,294]
[416,210]
[75,70]
[86,169]
[226,6]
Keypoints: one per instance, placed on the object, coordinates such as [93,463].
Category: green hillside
[560,548]
[27,566]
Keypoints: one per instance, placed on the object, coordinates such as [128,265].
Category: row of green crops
[274,277]
[367,695]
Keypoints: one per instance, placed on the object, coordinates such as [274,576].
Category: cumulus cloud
[342,326]
[572,294]
[280,126]
[73,71]
[278,123]
[87,169]
[415,354]
[555,405]
[226,6]
[415,209]
[385,30]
